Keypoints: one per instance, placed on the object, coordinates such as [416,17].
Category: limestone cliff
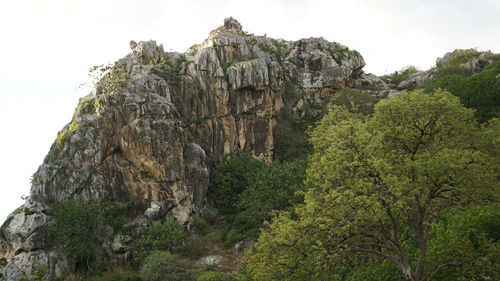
[156,122]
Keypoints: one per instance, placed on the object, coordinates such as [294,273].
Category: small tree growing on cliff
[380,188]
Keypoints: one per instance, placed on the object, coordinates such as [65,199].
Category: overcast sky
[47,47]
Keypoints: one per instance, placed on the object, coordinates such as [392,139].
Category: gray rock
[210,260]
[416,79]
[243,245]
[475,65]
[120,242]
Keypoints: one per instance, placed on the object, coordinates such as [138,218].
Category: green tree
[379,186]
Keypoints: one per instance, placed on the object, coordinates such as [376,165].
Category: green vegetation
[7,222]
[62,139]
[88,106]
[229,179]
[163,266]
[480,91]
[215,276]
[109,77]
[246,191]
[340,53]
[170,70]
[459,57]
[39,273]
[399,195]
[291,141]
[275,50]
[356,100]
[162,236]
[78,228]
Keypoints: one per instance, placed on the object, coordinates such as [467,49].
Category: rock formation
[157,121]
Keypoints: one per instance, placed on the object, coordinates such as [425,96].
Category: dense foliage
[163,266]
[384,191]
[160,236]
[80,227]
[480,91]
[246,191]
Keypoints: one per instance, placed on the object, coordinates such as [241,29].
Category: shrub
[215,276]
[79,228]
[480,91]
[274,187]
[162,236]
[229,179]
[254,189]
[164,266]
[201,226]
[356,100]
[118,275]
[291,141]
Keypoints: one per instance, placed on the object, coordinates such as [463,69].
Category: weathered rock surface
[157,121]
[416,79]
[373,84]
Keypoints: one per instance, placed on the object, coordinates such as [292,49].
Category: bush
[356,100]
[163,266]
[119,275]
[201,226]
[229,179]
[215,276]
[274,187]
[79,228]
[162,236]
[480,91]
[253,190]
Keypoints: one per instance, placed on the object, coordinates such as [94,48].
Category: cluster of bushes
[80,228]
[246,190]
[164,266]
[168,235]
[480,91]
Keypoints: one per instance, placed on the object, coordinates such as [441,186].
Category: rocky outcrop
[416,80]
[374,85]
[157,121]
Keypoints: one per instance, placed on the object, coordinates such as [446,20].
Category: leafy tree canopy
[381,189]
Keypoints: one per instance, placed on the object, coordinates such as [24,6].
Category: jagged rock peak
[231,24]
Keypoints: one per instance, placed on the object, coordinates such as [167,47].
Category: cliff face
[157,121]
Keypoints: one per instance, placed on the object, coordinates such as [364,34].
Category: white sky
[47,47]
